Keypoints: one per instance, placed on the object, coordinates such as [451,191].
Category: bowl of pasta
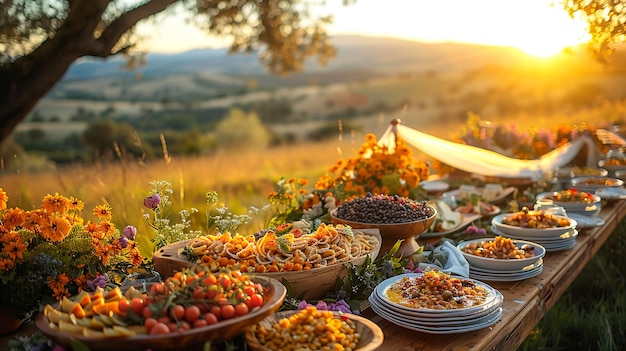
[309,262]
[501,253]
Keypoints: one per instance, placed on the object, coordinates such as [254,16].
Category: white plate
[571,206]
[563,242]
[466,220]
[437,330]
[506,278]
[502,264]
[501,196]
[374,299]
[434,185]
[585,221]
[381,290]
[590,184]
[529,233]
[612,193]
[528,268]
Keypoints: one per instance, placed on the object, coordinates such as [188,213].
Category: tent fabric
[484,162]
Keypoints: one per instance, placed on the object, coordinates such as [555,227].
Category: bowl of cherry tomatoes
[183,312]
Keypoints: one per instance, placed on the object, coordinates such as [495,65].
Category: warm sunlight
[533,26]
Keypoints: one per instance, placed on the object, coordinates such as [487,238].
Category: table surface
[525,302]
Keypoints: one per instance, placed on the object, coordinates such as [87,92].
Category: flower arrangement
[376,169]
[51,252]
[293,202]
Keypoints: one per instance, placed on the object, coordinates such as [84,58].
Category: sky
[531,25]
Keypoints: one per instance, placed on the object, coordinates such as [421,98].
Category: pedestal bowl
[391,233]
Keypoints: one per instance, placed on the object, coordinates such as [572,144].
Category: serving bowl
[370,335]
[514,231]
[593,204]
[612,166]
[391,233]
[592,184]
[194,338]
[502,264]
[311,284]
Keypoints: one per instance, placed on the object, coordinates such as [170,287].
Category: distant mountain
[354,53]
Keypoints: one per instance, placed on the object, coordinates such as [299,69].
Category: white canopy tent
[484,162]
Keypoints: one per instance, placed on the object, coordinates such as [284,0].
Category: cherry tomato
[241,309]
[228,311]
[210,318]
[211,294]
[200,323]
[225,281]
[136,305]
[249,290]
[177,312]
[255,300]
[147,312]
[198,293]
[149,323]
[123,305]
[192,313]
[216,311]
[160,328]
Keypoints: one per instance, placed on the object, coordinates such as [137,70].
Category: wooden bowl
[192,339]
[313,283]
[371,336]
[391,233]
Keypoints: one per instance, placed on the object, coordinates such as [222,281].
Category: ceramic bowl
[591,184]
[520,232]
[499,264]
[370,335]
[572,206]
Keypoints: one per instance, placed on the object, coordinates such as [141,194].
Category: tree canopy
[40,39]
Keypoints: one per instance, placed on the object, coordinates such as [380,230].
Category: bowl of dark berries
[396,217]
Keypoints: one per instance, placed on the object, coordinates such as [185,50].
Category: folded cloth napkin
[447,258]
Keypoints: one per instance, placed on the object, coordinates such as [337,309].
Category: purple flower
[473,229]
[322,306]
[340,306]
[99,281]
[124,242]
[303,304]
[152,201]
[130,232]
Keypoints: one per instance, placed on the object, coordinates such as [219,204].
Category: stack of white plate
[436,321]
[552,239]
[504,270]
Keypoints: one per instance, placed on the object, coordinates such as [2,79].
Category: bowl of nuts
[397,218]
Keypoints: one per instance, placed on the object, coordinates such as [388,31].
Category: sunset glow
[533,26]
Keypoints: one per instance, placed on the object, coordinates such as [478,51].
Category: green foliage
[241,130]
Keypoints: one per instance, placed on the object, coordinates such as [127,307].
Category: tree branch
[103,46]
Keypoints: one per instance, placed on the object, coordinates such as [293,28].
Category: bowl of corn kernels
[310,329]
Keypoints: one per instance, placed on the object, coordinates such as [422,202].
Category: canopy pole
[394,129]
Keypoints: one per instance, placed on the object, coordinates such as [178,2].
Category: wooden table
[525,302]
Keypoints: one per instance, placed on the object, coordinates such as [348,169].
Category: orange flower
[13,218]
[3,199]
[15,250]
[55,203]
[34,220]
[56,228]
[76,204]
[103,212]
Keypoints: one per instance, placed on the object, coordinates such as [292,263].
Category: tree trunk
[27,80]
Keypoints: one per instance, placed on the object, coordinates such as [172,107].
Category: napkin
[447,258]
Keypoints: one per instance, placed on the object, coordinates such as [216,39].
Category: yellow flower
[13,218]
[103,212]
